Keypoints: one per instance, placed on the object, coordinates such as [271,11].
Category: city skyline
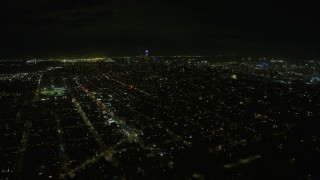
[159,89]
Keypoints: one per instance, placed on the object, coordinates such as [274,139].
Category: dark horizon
[48,28]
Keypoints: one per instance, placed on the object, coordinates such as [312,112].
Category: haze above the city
[56,28]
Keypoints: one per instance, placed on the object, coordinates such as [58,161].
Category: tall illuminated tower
[146,53]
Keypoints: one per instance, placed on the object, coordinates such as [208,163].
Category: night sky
[59,28]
